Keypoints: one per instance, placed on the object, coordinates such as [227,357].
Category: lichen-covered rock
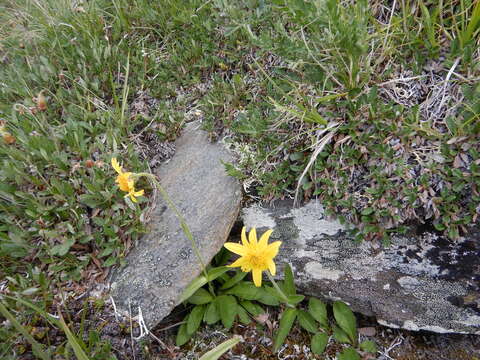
[163,263]
[420,282]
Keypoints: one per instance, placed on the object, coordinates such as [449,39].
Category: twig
[450,72]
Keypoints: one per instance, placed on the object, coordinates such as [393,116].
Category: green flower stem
[279,291]
[180,217]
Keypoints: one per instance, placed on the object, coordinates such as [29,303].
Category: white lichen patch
[473,320]
[419,264]
[311,221]
[411,325]
[256,216]
[317,271]
[408,282]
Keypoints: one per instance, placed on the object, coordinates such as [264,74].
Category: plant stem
[183,223]
[280,292]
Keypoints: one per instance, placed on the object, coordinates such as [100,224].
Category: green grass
[270,76]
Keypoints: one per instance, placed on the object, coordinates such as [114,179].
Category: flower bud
[9,138]
[41,102]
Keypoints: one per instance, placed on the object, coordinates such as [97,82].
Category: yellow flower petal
[264,238]
[236,248]
[124,182]
[239,263]
[257,277]
[116,166]
[139,193]
[252,237]
[271,267]
[244,236]
[272,249]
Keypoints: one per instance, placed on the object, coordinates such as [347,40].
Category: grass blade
[219,350]
[37,347]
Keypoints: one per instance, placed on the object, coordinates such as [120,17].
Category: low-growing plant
[224,296]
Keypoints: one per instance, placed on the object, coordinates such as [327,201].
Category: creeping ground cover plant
[223,295]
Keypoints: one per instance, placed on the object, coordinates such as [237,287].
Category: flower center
[124,182]
[257,261]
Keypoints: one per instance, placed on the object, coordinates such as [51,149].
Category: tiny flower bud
[9,139]
[89,163]
[41,102]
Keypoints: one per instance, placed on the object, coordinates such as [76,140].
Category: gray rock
[420,282]
[163,263]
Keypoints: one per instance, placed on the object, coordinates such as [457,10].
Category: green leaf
[307,321]
[367,211]
[243,316]
[239,276]
[341,336]
[289,283]
[319,342]
[195,318]
[73,341]
[182,336]
[227,307]
[346,320]
[252,308]
[265,297]
[245,290]
[36,346]
[211,315]
[368,346]
[92,201]
[193,287]
[318,310]
[200,297]
[63,248]
[348,354]
[295,299]
[219,350]
[216,272]
[286,323]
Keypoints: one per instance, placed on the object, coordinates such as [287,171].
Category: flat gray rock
[420,282]
[163,263]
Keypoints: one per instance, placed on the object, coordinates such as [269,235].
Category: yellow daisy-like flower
[255,256]
[125,181]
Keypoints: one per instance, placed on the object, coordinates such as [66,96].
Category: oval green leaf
[252,308]
[243,316]
[227,307]
[318,310]
[319,343]
[348,354]
[182,335]
[289,282]
[368,346]
[307,321]
[245,290]
[211,315]
[286,322]
[346,320]
[200,297]
[195,319]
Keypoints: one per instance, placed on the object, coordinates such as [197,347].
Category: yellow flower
[255,256]
[125,181]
